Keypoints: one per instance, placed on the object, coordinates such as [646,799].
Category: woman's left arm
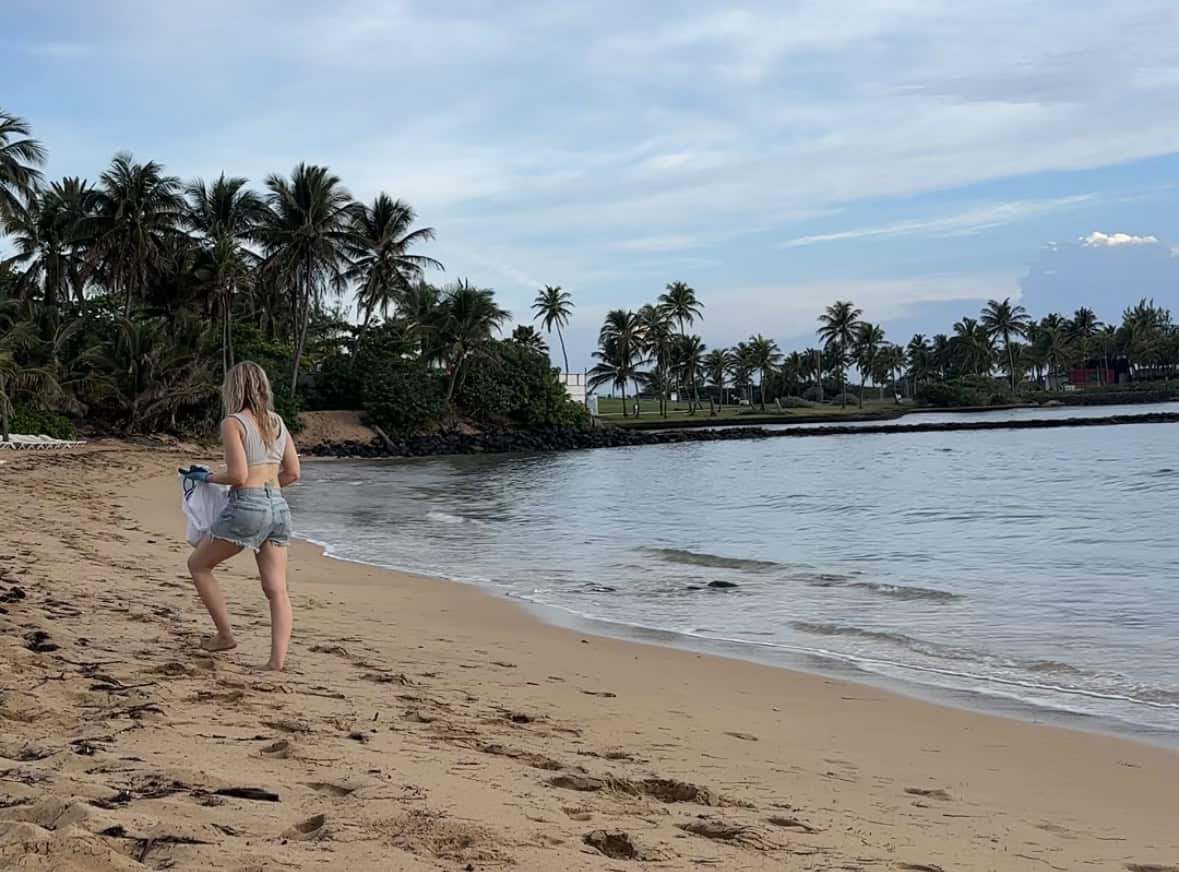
[236,466]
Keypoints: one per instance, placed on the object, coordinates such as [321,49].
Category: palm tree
[764,355]
[1083,330]
[526,335]
[681,305]
[223,215]
[942,355]
[794,366]
[20,157]
[1107,338]
[620,352]
[890,360]
[423,315]
[742,370]
[470,316]
[717,365]
[306,233]
[680,302]
[657,340]
[379,248]
[1057,348]
[45,236]
[838,326]
[1010,322]
[869,338]
[920,356]
[812,369]
[553,308]
[137,214]
[689,363]
[974,348]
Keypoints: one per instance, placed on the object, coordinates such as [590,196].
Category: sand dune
[424,725]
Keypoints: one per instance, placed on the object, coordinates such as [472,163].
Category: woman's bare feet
[217,642]
[270,667]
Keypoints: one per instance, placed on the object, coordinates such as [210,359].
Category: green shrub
[32,422]
[949,394]
[339,381]
[401,397]
[511,384]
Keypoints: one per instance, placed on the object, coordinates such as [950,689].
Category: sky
[915,156]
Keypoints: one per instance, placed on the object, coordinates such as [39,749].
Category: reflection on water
[1037,565]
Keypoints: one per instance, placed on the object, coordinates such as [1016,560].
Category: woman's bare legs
[200,564]
[272,567]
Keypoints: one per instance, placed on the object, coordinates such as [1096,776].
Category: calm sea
[1033,568]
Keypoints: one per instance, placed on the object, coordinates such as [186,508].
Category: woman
[260,459]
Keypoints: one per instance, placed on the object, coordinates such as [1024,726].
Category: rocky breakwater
[504,441]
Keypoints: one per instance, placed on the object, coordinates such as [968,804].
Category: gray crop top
[257,453]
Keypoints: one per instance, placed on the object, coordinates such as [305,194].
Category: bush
[339,382]
[30,422]
[401,397]
[948,394]
[512,384]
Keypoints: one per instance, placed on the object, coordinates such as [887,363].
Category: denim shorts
[254,516]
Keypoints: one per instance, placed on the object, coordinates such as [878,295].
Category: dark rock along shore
[504,441]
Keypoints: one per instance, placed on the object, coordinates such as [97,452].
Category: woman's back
[258,453]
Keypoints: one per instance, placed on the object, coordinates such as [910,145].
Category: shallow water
[1033,565]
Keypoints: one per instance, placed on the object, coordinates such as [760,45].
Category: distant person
[260,460]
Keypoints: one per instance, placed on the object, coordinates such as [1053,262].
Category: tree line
[651,352]
[124,298]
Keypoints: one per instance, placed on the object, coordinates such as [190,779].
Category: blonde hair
[247,387]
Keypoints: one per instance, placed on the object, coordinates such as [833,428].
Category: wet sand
[428,725]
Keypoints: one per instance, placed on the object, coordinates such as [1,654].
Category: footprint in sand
[279,750]
[313,828]
[929,793]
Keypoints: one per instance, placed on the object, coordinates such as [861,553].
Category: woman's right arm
[289,471]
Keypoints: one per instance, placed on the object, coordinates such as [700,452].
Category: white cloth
[202,503]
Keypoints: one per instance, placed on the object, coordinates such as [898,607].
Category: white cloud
[1103,271]
[1097,239]
[963,223]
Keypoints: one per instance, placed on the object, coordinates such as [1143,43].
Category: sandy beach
[427,725]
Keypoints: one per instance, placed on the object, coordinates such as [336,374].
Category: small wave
[906,592]
[695,558]
[894,591]
[942,652]
[447,518]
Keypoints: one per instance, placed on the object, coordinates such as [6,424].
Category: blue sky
[916,156]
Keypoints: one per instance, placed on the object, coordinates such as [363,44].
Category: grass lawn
[611,410]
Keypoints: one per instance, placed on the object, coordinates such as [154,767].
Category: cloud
[963,223]
[1105,272]
[1097,239]
[595,144]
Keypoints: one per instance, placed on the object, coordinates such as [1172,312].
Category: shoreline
[435,725]
[815,662]
[511,441]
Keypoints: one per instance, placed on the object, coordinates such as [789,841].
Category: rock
[722,585]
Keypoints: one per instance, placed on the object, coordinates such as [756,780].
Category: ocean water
[1038,567]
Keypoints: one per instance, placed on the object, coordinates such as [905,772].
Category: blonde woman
[260,460]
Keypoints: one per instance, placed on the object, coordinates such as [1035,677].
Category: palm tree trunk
[454,374]
[4,411]
[863,382]
[303,319]
[565,356]
[763,390]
